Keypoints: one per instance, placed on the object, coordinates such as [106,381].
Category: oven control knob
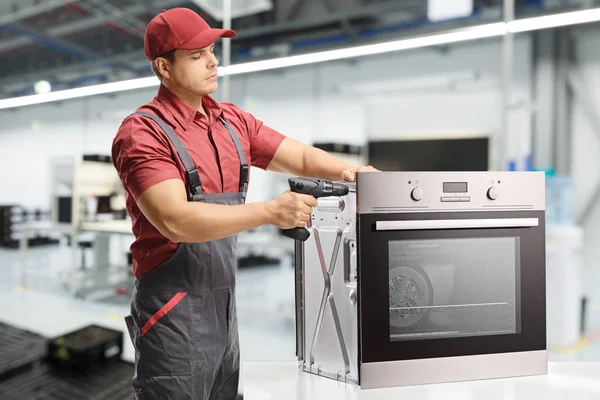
[416,194]
[493,193]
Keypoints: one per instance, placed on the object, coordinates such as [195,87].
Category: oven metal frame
[326,291]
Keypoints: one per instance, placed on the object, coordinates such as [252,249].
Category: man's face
[196,70]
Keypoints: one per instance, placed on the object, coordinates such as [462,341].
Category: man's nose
[213,60]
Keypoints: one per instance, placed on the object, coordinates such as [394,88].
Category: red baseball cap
[179,28]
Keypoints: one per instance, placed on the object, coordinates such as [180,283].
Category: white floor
[265,299]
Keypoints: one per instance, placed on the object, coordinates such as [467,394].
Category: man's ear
[164,67]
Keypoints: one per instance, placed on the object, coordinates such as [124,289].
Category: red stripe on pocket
[161,313]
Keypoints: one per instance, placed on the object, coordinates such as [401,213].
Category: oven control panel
[406,191]
[456,192]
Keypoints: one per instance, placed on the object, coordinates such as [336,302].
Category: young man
[183,160]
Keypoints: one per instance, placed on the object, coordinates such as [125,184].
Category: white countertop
[283,381]
[45,226]
[112,226]
[115,226]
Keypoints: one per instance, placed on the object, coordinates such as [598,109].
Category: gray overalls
[183,321]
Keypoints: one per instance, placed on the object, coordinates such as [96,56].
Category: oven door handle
[456,224]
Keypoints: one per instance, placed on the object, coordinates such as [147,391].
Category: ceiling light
[42,87]
[554,21]
[79,92]
[242,7]
[441,10]
[460,35]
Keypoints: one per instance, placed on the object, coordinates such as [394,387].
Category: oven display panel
[455,187]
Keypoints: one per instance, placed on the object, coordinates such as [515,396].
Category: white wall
[586,143]
[304,103]
[466,106]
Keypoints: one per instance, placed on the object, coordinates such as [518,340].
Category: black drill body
[316,188]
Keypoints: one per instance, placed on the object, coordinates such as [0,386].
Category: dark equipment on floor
[20,351]
[81,364]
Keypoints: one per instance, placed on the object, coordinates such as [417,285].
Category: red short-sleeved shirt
[144,156]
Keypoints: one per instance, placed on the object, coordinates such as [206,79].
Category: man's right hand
[291,210]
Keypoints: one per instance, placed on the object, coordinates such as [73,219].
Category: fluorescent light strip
[477,32]
[461,35]
[84,91]
[554,21]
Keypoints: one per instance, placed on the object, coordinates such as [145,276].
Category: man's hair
[169,55]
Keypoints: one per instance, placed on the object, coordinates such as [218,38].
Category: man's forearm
[320,164]
[202,222]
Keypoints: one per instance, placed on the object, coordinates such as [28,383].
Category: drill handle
[301,234]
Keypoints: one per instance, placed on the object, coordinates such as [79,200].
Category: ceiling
[81,42]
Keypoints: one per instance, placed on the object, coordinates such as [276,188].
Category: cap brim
[206,38]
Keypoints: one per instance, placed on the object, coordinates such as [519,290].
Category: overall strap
[244,169]
[193,178]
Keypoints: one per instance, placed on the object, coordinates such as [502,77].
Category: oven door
[435,285]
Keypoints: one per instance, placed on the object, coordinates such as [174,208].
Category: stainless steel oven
[425,277]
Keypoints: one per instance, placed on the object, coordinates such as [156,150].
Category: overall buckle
[194,181]
[244,173]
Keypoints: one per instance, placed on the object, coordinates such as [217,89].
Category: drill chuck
[317,187]
[339,190]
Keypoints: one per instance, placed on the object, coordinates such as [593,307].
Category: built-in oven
[425,277]
[452,276]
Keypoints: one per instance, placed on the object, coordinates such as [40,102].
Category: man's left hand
[350,174]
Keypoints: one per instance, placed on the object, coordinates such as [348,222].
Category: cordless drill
[316,188]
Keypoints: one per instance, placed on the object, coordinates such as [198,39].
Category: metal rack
[13,217]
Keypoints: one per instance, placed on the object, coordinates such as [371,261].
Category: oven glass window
[444,288]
